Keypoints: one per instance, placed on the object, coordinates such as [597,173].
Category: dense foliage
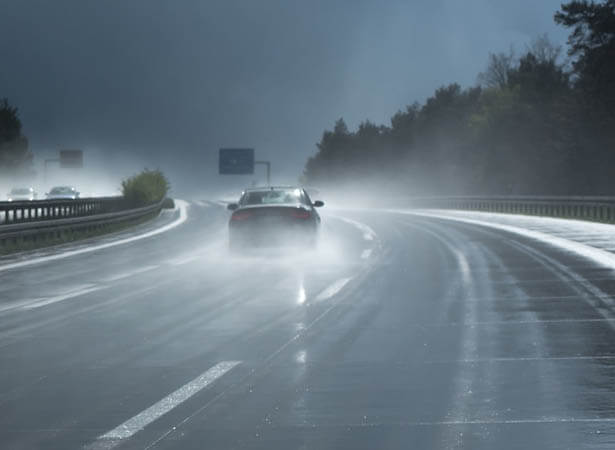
[534,125]
[15,157]
[145,188]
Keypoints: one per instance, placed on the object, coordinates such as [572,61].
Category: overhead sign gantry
[240,161]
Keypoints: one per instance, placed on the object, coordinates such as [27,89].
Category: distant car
[274,216]
[62,193]
[21,194]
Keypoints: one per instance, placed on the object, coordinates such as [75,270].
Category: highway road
[399,332]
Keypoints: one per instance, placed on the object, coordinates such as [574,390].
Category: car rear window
[61,190]
[272,197]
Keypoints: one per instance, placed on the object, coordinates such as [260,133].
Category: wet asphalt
[397,332]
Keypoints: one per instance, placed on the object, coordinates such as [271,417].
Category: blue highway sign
[236,161]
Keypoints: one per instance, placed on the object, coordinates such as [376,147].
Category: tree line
[15,156]
[536,123]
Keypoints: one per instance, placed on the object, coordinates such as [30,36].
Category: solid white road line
[368,233]
[600,256]
[333,289]
[183,260]
[524,359]
[183,215]
[43,301]
[509,322]
[157,410]
[60,298]
[121,276]
[483,422]
[73,293]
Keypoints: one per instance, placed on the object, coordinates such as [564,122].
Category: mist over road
[399,331]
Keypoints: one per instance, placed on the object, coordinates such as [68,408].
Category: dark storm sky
[166,83]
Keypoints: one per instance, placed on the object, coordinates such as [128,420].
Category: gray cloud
[167,83]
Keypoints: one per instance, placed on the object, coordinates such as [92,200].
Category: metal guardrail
[596,208]
[37,210]
[43,219]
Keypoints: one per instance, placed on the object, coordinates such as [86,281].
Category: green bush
[145,188]
[168,203]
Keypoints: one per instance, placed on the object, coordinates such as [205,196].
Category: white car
[62,193]
[21,194]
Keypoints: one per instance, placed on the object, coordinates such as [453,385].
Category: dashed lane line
[332,289]
[119,434]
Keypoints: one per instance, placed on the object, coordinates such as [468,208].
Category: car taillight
[301,214]
[241,215]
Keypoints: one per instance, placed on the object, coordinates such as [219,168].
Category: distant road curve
[595,241]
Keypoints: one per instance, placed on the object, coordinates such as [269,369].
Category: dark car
[62,193]
[274,216]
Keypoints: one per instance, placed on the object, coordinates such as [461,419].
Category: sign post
[268,164]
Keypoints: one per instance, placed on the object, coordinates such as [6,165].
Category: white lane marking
[484,422]
[157,410]
[544,280]
[73,293]
[365,254]
[368,233]
[462,261]
[301,330]
[464,266]
[523,359]
[593,295]
[183,215]
[121,276]
[38,303]
[528,297]
[42,301]
[509,322]
[598,255]
[333,289]
[184,260]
